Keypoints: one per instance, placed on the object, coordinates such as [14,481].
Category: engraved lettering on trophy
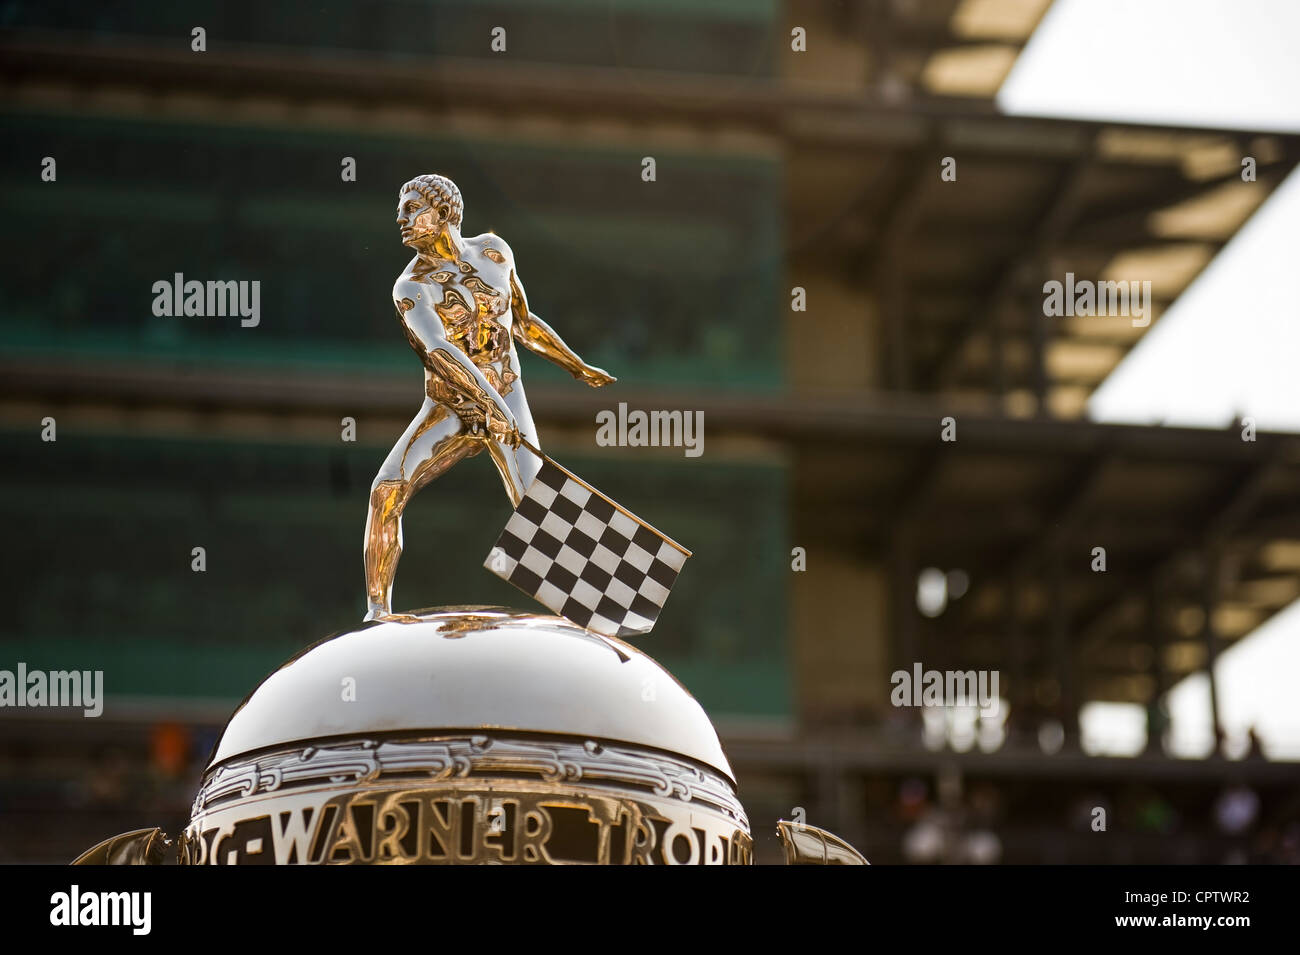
[431,826]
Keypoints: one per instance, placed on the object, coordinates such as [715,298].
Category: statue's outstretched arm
[535,335]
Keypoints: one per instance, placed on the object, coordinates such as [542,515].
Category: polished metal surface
[466,735]
[474,669]
[462,308]
[466,800]
[808,845]
[141,847]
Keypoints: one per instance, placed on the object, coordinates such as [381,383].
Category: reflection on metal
[141,847]
[472,735]
[808,845]
[466,801]
[471,668]
[461,735]
[462,307]
[469,757]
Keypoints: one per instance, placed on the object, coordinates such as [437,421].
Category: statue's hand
[507,432]
[596,377]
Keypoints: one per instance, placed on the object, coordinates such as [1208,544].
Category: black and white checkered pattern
[584,557]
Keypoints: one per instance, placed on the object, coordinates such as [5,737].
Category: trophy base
[469,735]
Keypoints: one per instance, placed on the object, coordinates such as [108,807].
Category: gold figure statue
[462,307]
[482,735]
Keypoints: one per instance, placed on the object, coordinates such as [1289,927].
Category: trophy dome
[473,669]
[468,735]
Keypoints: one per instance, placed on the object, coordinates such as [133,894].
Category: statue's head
[427,208]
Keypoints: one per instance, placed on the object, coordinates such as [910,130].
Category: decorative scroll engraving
[464,800]
[475,757]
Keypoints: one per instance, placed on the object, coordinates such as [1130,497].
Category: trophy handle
[808,845]
[141,847]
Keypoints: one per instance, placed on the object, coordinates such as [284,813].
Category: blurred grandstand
[775,170]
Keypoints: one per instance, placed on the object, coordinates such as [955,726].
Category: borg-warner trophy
[466,735]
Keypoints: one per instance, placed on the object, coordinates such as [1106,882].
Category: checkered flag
[584,557]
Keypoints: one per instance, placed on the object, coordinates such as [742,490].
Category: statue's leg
[434,441]
[517,466]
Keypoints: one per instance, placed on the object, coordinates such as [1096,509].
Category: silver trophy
[480,735]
